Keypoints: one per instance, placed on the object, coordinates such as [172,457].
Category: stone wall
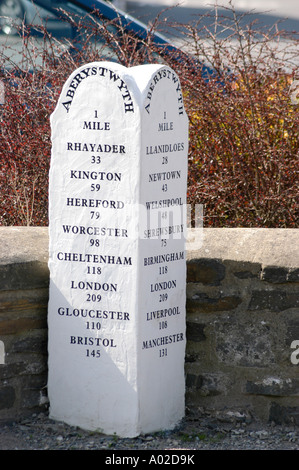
[24,280]
[243,305]
[242,317]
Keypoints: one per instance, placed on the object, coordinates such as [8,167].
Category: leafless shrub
[243,157]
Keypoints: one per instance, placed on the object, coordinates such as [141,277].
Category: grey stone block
[274,386]
[247,344]
[7,397]
[31,275]
[195,331]
[207,384]
[36,343]
[201,302]
[284,414]
[205,271]
[274,300]
[274,274]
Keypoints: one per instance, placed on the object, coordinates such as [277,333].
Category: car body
[53,16]
[14,12]
[50,13]
[37,12]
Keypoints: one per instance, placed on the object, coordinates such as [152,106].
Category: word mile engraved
[117,259]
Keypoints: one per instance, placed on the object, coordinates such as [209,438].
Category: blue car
[15,13]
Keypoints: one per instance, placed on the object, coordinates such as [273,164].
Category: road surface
[265,14]
[268,12]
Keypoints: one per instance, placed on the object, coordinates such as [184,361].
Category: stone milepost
[117,262]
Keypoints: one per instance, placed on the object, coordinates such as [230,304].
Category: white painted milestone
[117,228]
[162,261]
